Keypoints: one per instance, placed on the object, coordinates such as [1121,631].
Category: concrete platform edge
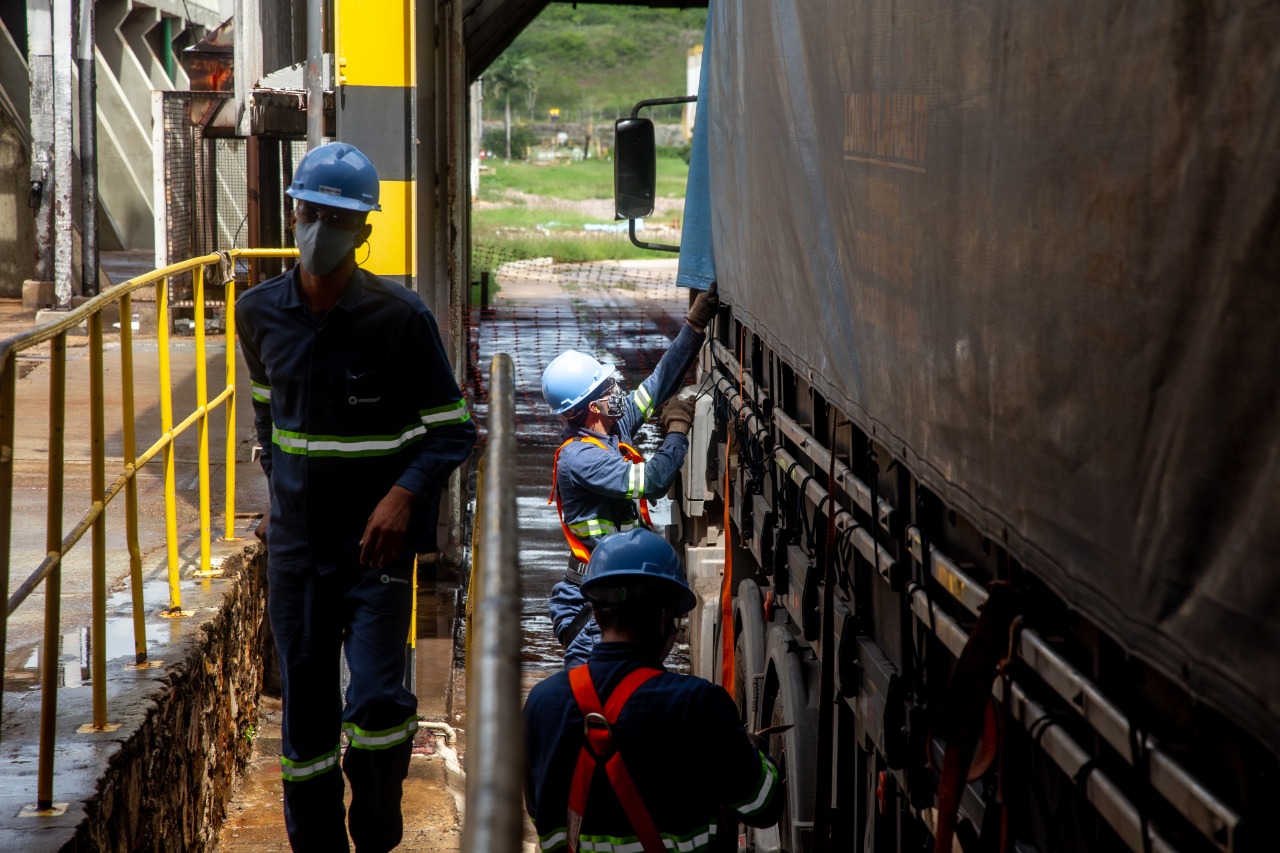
[186,732]
[174,777]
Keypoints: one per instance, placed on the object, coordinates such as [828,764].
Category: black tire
[778,751]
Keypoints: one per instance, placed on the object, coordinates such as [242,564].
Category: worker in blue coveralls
[600,737]
[360,422]
[600,483]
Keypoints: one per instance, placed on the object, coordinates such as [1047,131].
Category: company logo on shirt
[356,401]
[389,579]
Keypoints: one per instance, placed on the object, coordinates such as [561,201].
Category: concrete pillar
[63,146]
[40,62]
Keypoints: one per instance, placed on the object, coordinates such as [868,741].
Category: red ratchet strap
[579,548]
[600,748]
[965,720]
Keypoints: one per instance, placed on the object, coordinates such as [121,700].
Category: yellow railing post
[53,583]
[230,331]
[166,428]
[97,495]
[58,545]
[202,433]
[130,450]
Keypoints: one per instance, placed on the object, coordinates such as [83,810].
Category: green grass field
[524,228]
[585,179]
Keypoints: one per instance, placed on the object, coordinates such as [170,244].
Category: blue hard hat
[636,560]
[571,378]
[336,175]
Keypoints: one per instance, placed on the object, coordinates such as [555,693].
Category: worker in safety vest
[360,422]
[600,483]
[601,738]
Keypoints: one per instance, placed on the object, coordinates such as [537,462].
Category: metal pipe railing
[57,545]
[53,585]
[495,761]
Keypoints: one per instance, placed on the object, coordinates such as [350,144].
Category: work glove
[703,308]
[677,415]
[760,742]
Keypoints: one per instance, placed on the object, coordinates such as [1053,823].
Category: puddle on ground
[75,647]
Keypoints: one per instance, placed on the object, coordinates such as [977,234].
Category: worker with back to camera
[360,422]
[600,738]
[600,483]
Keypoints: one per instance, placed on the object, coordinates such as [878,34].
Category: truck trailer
[982,496]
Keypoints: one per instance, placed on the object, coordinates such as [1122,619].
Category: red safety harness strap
[579,548]
[599,747]
[965,720]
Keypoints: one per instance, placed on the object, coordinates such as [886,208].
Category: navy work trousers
[365,612]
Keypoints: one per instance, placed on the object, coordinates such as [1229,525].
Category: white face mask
[321,246]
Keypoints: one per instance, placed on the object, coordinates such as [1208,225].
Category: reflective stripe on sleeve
[361,739]
[764,789]
[643,401]
[260,392]
[450,413]
[300,771]
[635,480]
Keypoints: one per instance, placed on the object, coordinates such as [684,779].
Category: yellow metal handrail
[49,571]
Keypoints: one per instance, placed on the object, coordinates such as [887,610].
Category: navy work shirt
[681,741]
[347,406]
[598,487]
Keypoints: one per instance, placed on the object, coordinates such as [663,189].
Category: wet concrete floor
[432,791]
[626,313]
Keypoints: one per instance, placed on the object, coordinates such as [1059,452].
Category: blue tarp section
[697,260]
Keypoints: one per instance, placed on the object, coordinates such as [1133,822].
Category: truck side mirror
[634,168]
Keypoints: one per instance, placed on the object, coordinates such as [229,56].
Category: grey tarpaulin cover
[1035,247]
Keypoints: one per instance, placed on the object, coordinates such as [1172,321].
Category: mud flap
[704,567]
[749,655]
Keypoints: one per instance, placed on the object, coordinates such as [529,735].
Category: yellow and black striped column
[374,101]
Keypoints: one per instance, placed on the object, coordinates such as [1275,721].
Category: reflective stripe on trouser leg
[381,714]
[305,612]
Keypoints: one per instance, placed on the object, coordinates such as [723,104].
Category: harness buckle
[599,734]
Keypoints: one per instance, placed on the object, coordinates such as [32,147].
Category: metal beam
[88,153]
[248,59]
[489,27]
[424,129]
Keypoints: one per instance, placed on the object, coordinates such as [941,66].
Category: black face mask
[614,404]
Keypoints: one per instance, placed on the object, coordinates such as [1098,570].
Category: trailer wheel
[748,657]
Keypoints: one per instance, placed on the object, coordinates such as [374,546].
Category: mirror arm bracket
[660,247]
[661,102]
